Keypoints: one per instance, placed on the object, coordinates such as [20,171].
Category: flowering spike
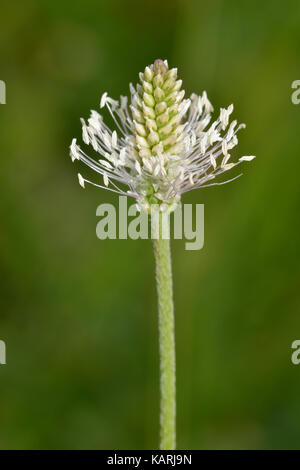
[162,119]
[163,145]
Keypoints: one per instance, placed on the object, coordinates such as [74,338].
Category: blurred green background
[79,315]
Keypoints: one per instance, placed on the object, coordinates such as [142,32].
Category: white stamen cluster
[163,145]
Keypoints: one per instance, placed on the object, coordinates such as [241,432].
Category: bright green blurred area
[79,315]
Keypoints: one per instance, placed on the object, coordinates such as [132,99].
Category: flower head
[163,145]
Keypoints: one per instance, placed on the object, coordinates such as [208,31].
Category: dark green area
[78,314]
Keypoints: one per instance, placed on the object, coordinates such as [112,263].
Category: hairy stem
[162,254]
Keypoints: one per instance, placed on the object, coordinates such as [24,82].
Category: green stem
[162,254]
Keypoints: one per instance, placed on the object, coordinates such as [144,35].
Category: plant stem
[162,254]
